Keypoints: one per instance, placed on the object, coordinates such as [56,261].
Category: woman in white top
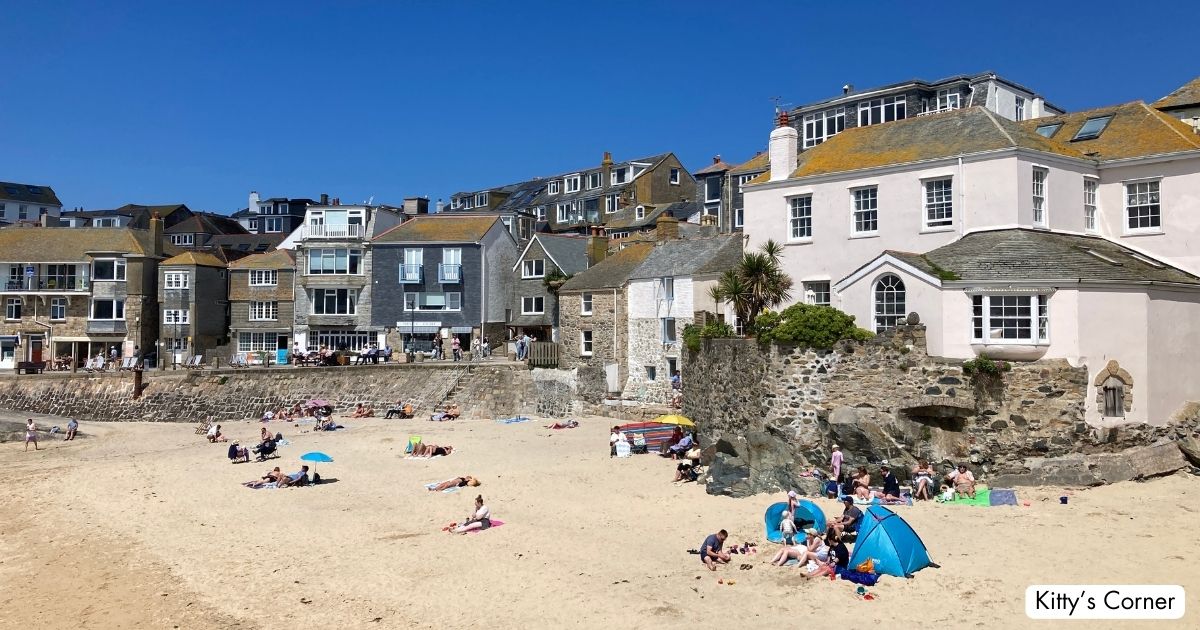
[31,434]
[481,519]
[817,549]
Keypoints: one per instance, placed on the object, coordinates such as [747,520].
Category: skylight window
[1048,131]
[1092,128]
[1152,263]
[1103,257]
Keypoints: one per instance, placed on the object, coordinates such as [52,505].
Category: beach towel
[431,486]
[1002,497]
[253,487]
[982,498]
[495,524]
[514,420]
[850,575]
[421,459]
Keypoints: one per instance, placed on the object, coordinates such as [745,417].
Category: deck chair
[89,366]
[196,363]
[266,450]
[413,441]
[126,364]
[238,361]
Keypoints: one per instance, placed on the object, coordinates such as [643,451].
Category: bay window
[108,269]
[334,301]
[108,309]
[1010,318]
[334,261]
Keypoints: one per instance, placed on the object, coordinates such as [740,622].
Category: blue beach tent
[807,515]
[891,542]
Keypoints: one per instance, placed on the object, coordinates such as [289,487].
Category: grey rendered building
[194,310]
[548,256]
[443,275]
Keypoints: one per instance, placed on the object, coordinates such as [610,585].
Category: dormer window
[571,183]
[595,180]
[1048,130]
[947,100]
[481,200]
[640,212]
[553,187]
[620,175]
[1092,127]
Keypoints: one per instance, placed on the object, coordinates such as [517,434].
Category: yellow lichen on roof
[446,228]
[197,259]
[1185,95]
[754,164]
[60,244]
[278,259]
[1136,130]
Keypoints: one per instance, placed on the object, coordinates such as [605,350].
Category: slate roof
[720,166]
[194,259]
[756,164]
[854,95]
[1018,254]
[626,218]
[278,259]
[689,257]
[62,244]
[206,223]
[610,273]
[29,193]
[1186,95]
[1135,130]
[440,228]
[569,252]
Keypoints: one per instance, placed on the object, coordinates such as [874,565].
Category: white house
[28,203]
[1127,176]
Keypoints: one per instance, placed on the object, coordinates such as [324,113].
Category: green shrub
[984,366]
[692,334]
[808,325]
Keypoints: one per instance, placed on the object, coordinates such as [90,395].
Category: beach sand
[146,526]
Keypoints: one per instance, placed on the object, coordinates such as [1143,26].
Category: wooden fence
[543,354]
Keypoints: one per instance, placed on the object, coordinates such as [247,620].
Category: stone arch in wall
[1114,391]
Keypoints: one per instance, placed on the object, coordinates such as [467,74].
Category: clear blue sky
[201,102]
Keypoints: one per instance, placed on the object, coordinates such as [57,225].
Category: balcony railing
[412,273]
[49,283]
[449,273]
[352,230]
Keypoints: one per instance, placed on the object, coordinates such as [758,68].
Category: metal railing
[412,273]
[352,230]
[48,283]
[450,273]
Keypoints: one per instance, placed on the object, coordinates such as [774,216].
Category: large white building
[866,215]
[28,203]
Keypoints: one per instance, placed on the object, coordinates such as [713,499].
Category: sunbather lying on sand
[361,411]
[569,424]
[457,482]
[271,477]
[424,450]
[298,478]
[451,413]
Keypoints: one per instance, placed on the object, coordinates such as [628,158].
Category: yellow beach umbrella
[675,418]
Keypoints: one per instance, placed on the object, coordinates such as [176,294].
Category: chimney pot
[716,158]
[324,199]
[667,227]
[846,89]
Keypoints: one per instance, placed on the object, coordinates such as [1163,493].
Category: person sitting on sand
[838,557]
[298,478]
[710,552]
[237,452]
[686,472]
[481,518]
[862,483]
[681,447]
[964,482]
[789,552]
[72,427]
[891,486]
[617,435]
[851,518]
[424,450]
[271,477]
[268,415]
[815,547]
[569,424]
[922,480]
[362,411]
[214,434]
[457,482]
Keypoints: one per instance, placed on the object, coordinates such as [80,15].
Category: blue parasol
[316,456]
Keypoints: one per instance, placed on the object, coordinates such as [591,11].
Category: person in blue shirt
[710,552]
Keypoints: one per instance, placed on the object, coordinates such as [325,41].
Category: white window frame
[814,290]
[118,311]
[533,268]
[947,100]
[118,269]
[176,279]
[173,316]
[1038,195]
[586,340]
[585,304]
[273,225]
[595,180]
[821,126]
[666,288]
[254,342]
[746,179]
[639,212]
[881,313]
[540,213]
[739,218]
[317,296]
[669,325]
[481,200]
[454,297]
[983,308]
[1149,198]
[13,309]
[563,211]
[571,183]
[861,216]
[1091,186]
[351,254]
[264,277]
[58,309]
[881,110]
[619,176]
[182,240]
[673,179]
[708,180]
[264,311]
[612,203]
[800,219]
[553,187]
[1019,108]
[533,305]
[938,204]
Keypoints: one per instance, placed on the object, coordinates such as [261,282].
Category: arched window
[889,302]
[1114,397]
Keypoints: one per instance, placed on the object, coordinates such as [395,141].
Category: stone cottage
[192,292]
[262,303]
[554,256]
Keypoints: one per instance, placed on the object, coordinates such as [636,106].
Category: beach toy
[1062,500]
[860,591]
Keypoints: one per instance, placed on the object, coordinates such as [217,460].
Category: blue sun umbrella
[315,457]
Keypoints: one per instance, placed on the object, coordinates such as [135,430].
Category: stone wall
[189,396]
[770,413]
[607,323]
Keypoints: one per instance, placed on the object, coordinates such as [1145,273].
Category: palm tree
[756,284]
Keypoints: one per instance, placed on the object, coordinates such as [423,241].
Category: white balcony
[334,231]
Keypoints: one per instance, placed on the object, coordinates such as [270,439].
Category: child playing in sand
[787,527]
[31,434]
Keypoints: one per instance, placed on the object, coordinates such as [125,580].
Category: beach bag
[316,478]
[866,567]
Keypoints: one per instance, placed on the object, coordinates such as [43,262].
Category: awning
[13,338]
[418,329]
[460,329]
[105,338]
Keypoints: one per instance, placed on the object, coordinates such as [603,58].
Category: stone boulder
[1141,462]
[1190,447]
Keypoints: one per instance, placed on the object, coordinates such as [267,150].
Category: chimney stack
[156,232]
[416,205]
[440,205]
[252,204]
[607,161]
[597,246]
[782,148]
[324,199]
[717,158]
[667,227]
[846,89]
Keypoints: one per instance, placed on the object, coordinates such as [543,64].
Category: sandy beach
[146,526]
